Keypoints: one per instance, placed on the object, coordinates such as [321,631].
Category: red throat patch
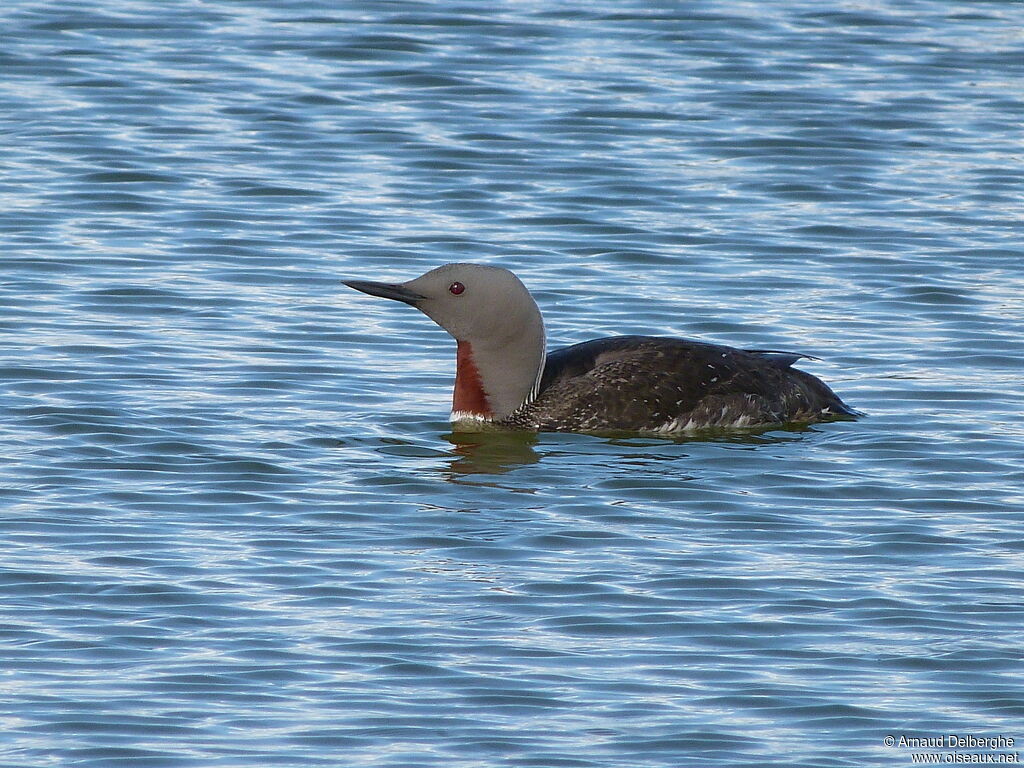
[469,397]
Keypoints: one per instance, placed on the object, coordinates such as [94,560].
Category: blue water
[236,527]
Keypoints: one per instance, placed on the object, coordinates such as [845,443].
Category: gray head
[493,317]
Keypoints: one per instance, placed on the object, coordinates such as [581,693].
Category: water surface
[237,527]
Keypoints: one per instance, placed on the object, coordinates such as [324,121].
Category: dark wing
[653,383]
[784,359]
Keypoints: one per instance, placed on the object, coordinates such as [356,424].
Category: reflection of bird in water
[635,383]
[492,452]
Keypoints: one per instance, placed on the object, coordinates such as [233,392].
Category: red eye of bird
[456,288]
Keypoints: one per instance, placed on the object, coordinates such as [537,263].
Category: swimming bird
[505,379]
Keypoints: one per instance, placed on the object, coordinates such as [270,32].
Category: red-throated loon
[632,383]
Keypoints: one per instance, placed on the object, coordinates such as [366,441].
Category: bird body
[651,384]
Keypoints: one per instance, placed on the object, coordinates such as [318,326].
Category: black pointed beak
[385,290]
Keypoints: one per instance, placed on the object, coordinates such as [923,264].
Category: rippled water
[237,529]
